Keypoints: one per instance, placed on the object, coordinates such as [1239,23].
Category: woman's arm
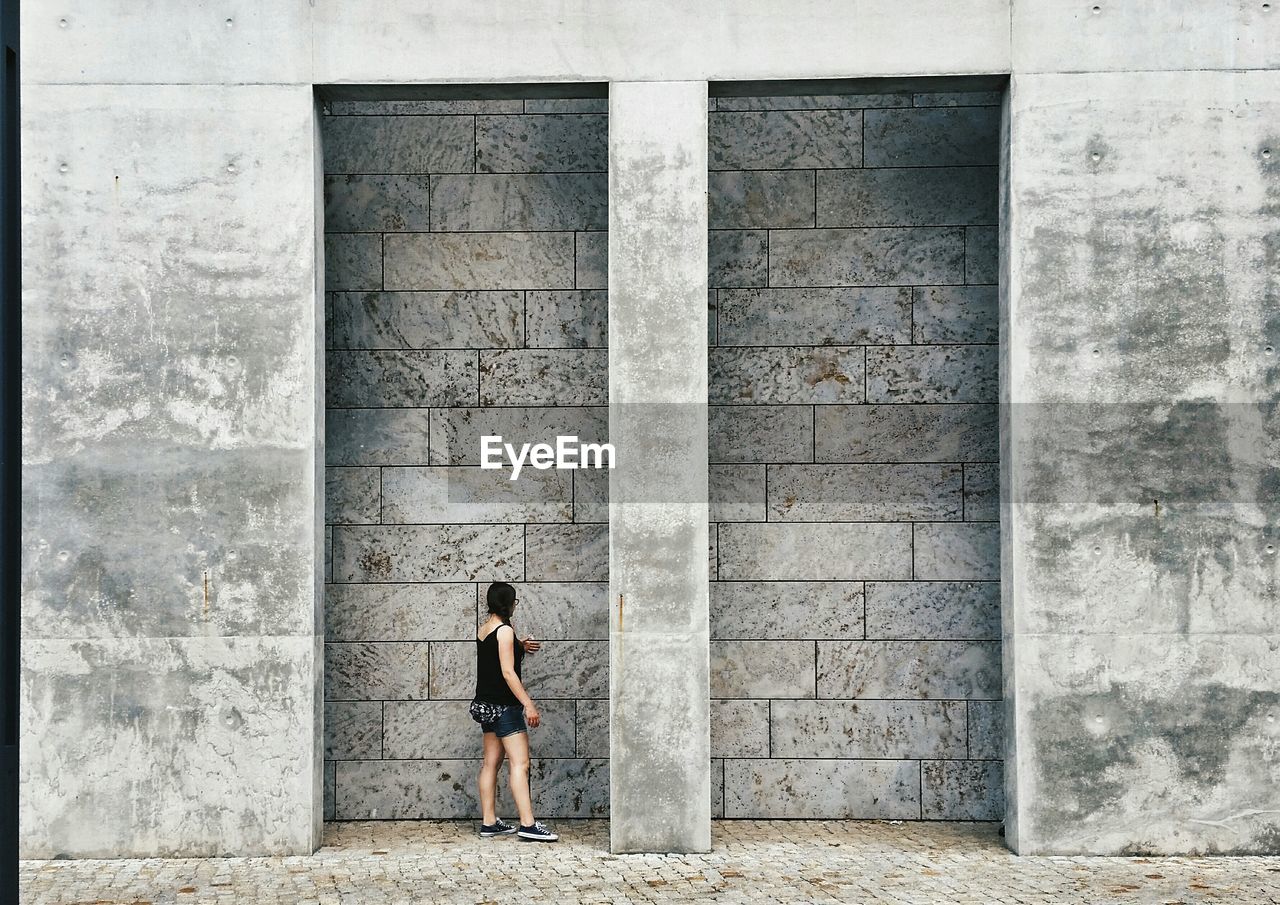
[507,660]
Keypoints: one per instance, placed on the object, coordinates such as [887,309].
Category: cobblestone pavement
[753,861]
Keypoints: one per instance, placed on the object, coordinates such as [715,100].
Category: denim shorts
[509,722]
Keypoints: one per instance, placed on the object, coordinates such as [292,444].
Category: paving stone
[867,729]
[784,140]
[591,260]
[399,612]
[761,433]
[779,610]
[737,493]
[352,496]
[567,105]
[957,99]
[740,728]
[352,261]
[958,432]
[423,107]
[371,204]
[382,862]
[562,669]
[544,377]
[520,260]
[375,436]
[569,319]
[466,494]
[398,144]
[780,375]
[986,729]
[909,669]
[443,730]
[962,551]
[850,551]
[456,433]
[541,201]
[907,196]
[737,257]
[982,492]
[890,256]
[557,610]
[956,314]
[981,254]
[426,320]
[958,610]
[762,669]
[821,317]
[568,140]
[375,671]
[760,199]
[428,553]
[352,730]
[962,790]
[952,373]
[400,379]
[822,789]
[567,552]
[932,137]
[857,493]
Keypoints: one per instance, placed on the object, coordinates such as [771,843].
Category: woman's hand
[531,716]
[530,645]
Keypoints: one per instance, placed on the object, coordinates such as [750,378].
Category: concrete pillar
[659,729]
[1139,525]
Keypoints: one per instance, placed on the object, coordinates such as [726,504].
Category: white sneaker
[537,833]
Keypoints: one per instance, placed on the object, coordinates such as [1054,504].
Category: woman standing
[501,706]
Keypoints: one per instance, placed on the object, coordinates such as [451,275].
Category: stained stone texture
[466,248]
[854,445]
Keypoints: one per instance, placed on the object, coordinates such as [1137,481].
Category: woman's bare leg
[517,749]
[489,778]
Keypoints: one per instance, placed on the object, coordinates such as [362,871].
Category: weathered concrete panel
[377,436]
[544,377]
[955,314]
[443,730]
[400,379]
[456,433]
[428,553]
[152,728]
[399,144]
[933,609]
[462,494]
[762,669]
[171,501]
[931,137]
[575,319]
[624,41]
[766,433]
[370,204]
[962,790]
[564,610]
[659,723]
[951,373]
[399,612]
[907,196]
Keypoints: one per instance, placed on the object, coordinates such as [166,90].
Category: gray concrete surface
[172,385]
[659,724]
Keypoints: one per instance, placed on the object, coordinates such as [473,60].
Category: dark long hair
[502,599]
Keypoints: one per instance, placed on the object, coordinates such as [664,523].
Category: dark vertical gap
[10,452]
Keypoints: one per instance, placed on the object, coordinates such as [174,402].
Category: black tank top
[490,685]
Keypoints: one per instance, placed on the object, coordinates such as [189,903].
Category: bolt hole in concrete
[1097,10]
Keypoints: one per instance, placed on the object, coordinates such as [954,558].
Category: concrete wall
[172,383]
[1140,530]
[855,604]
[466,246]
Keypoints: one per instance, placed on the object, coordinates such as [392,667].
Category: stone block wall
[465,277]
[855,606]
